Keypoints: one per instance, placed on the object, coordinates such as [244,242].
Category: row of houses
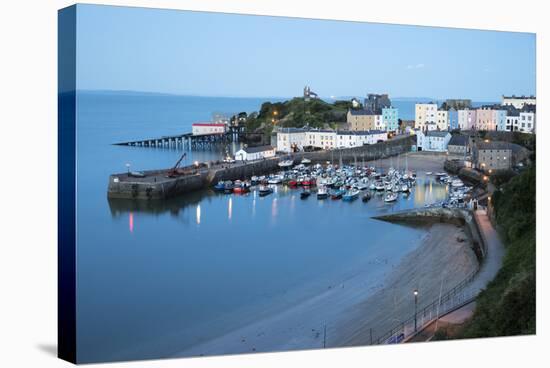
[485,155]
[298,139]
[363,120]
[513,114]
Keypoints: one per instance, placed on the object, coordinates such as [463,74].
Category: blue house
[453,119]
[390,117]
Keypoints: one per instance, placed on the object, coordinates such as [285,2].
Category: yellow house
[361,120]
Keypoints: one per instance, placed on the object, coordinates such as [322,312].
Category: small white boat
[351,195]
[457,183]
[390,197]
[275,180]
[305,161]
[286,163]
[428,173]
[322,193]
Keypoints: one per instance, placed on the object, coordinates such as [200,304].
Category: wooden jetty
[187,140]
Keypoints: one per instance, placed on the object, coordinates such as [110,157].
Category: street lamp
[415,292]
[128,168]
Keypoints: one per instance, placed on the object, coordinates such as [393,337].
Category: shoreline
[352,308]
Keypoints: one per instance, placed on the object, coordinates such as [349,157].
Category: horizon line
[176,94]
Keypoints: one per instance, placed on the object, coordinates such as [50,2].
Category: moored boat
[351,195]
[337,194]
[286,164]
[322,193]
[220,187]
[366,197]
[390,197]
[305,194]
[265,190]
[228,187]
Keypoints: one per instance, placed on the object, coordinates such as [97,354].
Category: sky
[213,54]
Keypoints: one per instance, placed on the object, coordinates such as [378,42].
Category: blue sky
[213,54]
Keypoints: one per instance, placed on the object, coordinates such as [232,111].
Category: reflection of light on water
[254,204]
[198,214]
[230,208]
[274,208]
[292,203]
[131,222]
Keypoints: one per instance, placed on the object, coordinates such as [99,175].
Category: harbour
[207,234]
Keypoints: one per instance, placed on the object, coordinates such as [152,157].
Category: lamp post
[128,168]
[415,292]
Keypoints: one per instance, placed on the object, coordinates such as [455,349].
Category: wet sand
[377,298]
[444,259]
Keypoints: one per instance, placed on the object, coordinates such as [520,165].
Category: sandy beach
[443,260]
[376,298]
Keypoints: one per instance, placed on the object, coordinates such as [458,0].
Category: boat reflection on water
[174,206]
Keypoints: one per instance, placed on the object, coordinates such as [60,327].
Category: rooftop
[499,146]
[360,132]
[458,140]
[362,112]
[435,133]
[257,149]
[519,97]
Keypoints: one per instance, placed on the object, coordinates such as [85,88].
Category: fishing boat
[351,195]
[228,187]
[337,194]
[220,187]
[322,193]
[306,182]
[305,194]
[275,179]
[379,186]
[254,180]
[292,183]
[405,188]
[285,164]
[390,197]
[366,197]
[305,161]
[362,186]
[265,190]
[241,188]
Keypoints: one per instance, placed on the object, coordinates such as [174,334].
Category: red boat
[293,183]
[306,182]
[241,189]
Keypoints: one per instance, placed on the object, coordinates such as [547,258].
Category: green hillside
[507,306]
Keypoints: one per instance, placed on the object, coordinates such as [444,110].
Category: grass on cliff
[296,113]
[507,307]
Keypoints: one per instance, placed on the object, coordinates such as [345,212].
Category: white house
[424,113]
[430,126]
[208,128]
[518,101]
[255,153]
[379,123]
[512,122]
[291,139]
[349,139]
[526,122]
[433,141]
[325,139]
[442,120]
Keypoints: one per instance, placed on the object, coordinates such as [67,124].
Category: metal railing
[451,300]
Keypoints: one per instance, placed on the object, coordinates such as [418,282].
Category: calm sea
[155,279]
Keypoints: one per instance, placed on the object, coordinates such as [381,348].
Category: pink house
[485,119]
[466,119]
